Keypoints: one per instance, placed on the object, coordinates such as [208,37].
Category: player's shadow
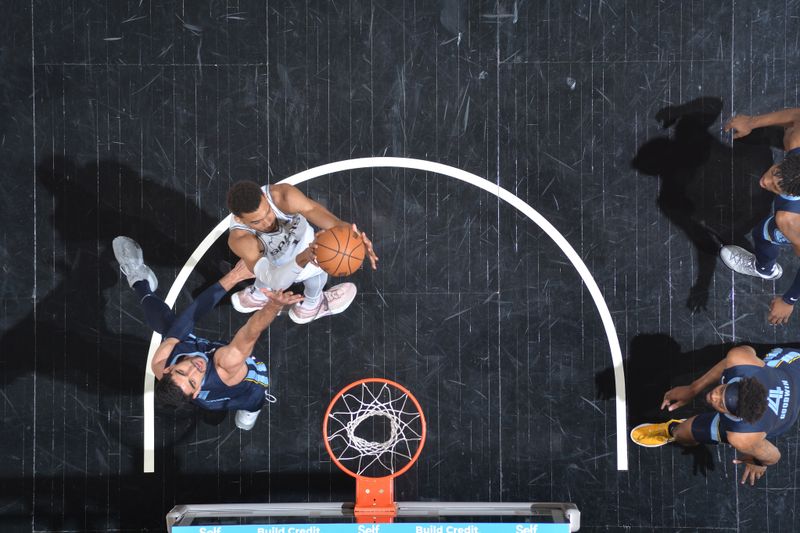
[71,500]
[65,339]
[655,364]
[709,189]
[93,203]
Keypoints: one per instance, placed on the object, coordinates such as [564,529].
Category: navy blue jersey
[782,202]
[215,395]
[781,378]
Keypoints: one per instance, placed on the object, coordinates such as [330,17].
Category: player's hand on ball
[373,259]
[309,255]
[340,250]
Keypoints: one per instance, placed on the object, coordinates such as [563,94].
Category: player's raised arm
[295,201]
[230,358]
[742,125]
[292,200]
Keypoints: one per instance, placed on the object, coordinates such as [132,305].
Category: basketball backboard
[411,517]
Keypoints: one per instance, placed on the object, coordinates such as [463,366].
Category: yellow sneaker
[653,435]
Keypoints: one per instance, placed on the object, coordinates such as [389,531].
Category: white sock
[313,286]
[310,303]
[256,293]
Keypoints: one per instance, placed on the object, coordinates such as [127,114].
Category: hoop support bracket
[375,500]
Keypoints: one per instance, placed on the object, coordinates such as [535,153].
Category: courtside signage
[434,527]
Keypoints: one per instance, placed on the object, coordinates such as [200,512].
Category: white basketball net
[391,409]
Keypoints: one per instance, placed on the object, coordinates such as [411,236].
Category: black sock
[142,289]
[671,427]
[157,314]
[764,270]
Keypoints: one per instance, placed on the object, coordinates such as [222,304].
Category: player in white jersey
[271,230]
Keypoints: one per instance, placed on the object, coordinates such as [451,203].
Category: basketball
[340,251]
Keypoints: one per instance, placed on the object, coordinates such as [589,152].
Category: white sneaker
[740,260]
[333,301]
[245,420]
[131,262]
[246,301]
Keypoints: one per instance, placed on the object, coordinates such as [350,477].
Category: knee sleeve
[314,286]
[275,278]
[706,430]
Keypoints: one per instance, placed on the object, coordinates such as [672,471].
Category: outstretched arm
[294,201]
[161,355]
[184,323]
[230,359]
[680,396]
[744,124]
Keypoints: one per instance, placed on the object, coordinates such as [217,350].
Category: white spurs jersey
[292,235]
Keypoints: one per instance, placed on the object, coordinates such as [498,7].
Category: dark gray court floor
[604,116]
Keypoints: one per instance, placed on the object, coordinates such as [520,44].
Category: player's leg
[184,323]
[766,256]
[763,263]
[268,276]
[652,435]
[703,428]
[312,290]
[331,302]
[248,248]
[144,282]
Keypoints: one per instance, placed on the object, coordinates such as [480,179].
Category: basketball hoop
[374,430]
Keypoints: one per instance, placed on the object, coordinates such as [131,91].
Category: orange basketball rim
[374,430]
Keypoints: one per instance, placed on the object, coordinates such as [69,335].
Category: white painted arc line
[155,340]
[437,168]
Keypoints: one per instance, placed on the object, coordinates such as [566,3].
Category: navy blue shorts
[706,430]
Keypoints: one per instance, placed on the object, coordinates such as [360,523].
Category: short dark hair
[752,399]
[168,392]
[788,173]
[244,197]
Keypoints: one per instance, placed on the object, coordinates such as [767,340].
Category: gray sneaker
[245,420]
[740,260]
[131,262]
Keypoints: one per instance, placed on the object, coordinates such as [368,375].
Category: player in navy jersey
[214,375]
[782,227]
[754,401]
[270,226]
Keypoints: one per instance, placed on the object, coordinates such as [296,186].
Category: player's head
[181,381]
[249,204]
[746,399]
[783,178]
[168,393]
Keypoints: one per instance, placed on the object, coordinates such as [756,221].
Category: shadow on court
[141,501]
[656,363]
[71,351]
[709,189]
[78,356]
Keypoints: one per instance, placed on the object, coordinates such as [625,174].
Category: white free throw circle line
[436,168]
